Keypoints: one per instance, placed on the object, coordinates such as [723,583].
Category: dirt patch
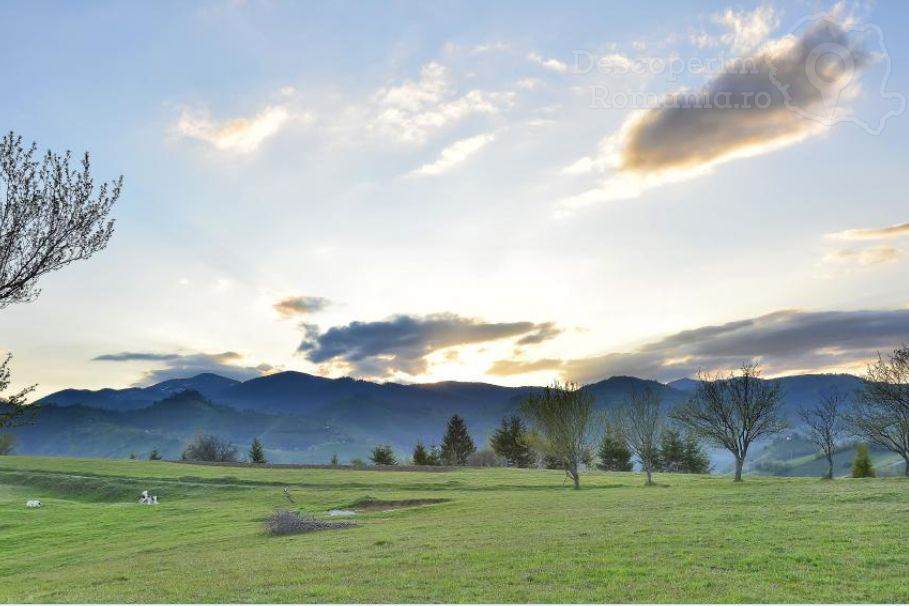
[285,521]
[367,504]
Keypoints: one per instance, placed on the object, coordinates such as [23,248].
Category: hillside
[306,418]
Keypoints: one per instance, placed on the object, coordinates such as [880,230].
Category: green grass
[503,536]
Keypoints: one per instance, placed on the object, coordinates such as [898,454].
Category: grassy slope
[507,535]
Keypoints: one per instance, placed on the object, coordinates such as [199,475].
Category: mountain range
[306,418]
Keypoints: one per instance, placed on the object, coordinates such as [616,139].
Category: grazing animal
[147,499]
[34,503]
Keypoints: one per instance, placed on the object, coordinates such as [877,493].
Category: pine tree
[696,460]
[132,456]
[257,452]
[334,459]
[681,454]
[457,445]
[861,466]
[510,441]
[383,455]
[421,455]
[154,455]
[613,452]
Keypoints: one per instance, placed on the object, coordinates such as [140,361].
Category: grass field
[505,535]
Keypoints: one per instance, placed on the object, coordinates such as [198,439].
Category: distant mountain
[306,418]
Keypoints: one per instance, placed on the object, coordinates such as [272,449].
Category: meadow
[503,535]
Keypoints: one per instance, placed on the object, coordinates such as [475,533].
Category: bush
[358,462]
[485,458]
[861,466]
[7,443]
[383,455]
[206,447]
[284,521]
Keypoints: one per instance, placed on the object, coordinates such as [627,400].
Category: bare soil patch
[367,504]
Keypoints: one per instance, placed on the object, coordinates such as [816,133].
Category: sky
[511,193]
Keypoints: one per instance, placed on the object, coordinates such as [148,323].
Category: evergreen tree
[383,455]
[132,456]
[510,442]
[257,452]
[421,455]
[681,454]
[334,459]
[613,452]
[861,466]
[154,455]
[457,445]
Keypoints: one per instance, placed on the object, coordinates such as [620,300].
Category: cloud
[868,256]
[742,112]
[879,233]
[782,342]
[402,343]
[301,305]
[411,111]
[240,135]
[746,30]
[550,64]
[455,153]
[181,366]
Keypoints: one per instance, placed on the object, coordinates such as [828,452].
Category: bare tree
[733,411]
[14,407]
[641,423]
[51,214]
[825,424]
[881,414]
[562,418]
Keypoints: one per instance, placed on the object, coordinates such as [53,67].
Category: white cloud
[743,31]
[550,64]
[412,111]
[740,113]
[872,233]
[865,257]
[239,135]
[455,153]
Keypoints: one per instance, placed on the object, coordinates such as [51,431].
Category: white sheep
[147,499]
[34,504]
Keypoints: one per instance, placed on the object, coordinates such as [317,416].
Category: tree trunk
[739,463]
[906,469]
[575,476]
[829,475]
[649,475]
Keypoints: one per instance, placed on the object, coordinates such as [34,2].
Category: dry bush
[284,521]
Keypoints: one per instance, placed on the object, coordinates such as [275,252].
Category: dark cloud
[546,331]
[402,343]
[771,98]
[301,306]
[181,366]
[783,341]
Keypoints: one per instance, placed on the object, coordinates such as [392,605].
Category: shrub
[383,455]
[284,521]
[358,462]
[257,452]
[485,458]
[206,447]
[861,465]
[7,443]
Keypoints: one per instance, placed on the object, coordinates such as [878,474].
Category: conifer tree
[613,452]
[257,452]
[861,466]
[421,455]
[154,455]
[457,444]
[510,441]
